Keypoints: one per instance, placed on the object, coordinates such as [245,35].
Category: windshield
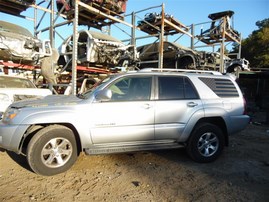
[13,28]
[97,86]
[13,82]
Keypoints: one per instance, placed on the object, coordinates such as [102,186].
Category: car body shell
[18,45]
[115,6]
[96,49]
[174,56]
[180,57]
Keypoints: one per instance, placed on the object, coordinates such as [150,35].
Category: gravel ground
[240,174]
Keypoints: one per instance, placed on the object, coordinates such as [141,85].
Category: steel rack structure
[93,15]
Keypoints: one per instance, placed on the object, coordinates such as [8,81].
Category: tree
[255,48]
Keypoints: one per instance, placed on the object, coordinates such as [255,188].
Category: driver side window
[131,89]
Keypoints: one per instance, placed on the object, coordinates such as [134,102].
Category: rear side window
[221,87]
[176,88]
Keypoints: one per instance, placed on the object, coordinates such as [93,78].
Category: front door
[128,117]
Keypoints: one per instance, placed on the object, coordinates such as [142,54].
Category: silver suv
[145,110]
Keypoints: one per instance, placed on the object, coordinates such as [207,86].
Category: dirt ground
[240,174]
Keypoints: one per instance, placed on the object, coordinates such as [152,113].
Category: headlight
[10,114]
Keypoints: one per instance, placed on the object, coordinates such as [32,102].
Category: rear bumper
[238,123]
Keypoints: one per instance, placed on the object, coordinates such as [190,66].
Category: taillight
[245,106]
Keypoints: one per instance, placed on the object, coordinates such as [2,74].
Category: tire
[52,150]
[206,143]
[186,63]
[234,69]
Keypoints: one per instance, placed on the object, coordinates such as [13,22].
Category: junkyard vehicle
[234,65]
[13,88]
[152,18]
[180,57]
[117,6]
[146,110]
[151,24]
[174,56]
[18,45]
[97,49]
[231,65]
[214,33]
[15,7]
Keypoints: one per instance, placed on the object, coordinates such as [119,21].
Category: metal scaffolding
[95,16]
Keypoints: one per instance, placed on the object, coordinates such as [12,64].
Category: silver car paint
[124,123]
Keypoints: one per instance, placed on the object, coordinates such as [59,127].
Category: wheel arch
[186,61]
[33,129]
[218,121]
[231,68]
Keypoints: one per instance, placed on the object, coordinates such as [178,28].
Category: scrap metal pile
[15,7]
[93,19]
[18,45]
[152,23]
[97,49]
[117,6]
[215,33]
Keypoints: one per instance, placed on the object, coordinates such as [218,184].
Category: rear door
[177,100]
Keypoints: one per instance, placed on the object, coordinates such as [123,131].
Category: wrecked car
[214,33]
[117,6]
[97,49]
[180,57]
[13,88]
[113,8]
[15,7]
[234,65]
[211,60]
[174,56]
[152,22]
[20,46]
[153,18]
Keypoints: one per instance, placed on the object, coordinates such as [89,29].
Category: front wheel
[234,69]
[206,143]
[52,150]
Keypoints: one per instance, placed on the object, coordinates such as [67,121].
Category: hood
[50,100]
[25,91]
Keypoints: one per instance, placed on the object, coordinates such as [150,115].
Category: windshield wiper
[81,96]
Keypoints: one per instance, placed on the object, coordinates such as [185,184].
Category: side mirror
[170,48]
[103,95]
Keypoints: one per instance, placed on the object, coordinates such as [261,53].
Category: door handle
[192,104]
[146,106]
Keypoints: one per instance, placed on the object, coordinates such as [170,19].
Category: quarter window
[221,87]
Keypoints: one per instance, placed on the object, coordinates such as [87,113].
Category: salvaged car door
[128,117]
[176,103]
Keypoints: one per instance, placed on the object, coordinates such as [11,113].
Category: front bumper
[11,136]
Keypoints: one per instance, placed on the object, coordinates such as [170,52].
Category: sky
[247,13]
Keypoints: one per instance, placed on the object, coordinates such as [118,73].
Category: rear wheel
[206,143]
[186,63]
[52,150]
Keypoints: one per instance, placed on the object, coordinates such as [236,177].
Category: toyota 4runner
[146,110]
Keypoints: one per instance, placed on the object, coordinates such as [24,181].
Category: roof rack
[180,70]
